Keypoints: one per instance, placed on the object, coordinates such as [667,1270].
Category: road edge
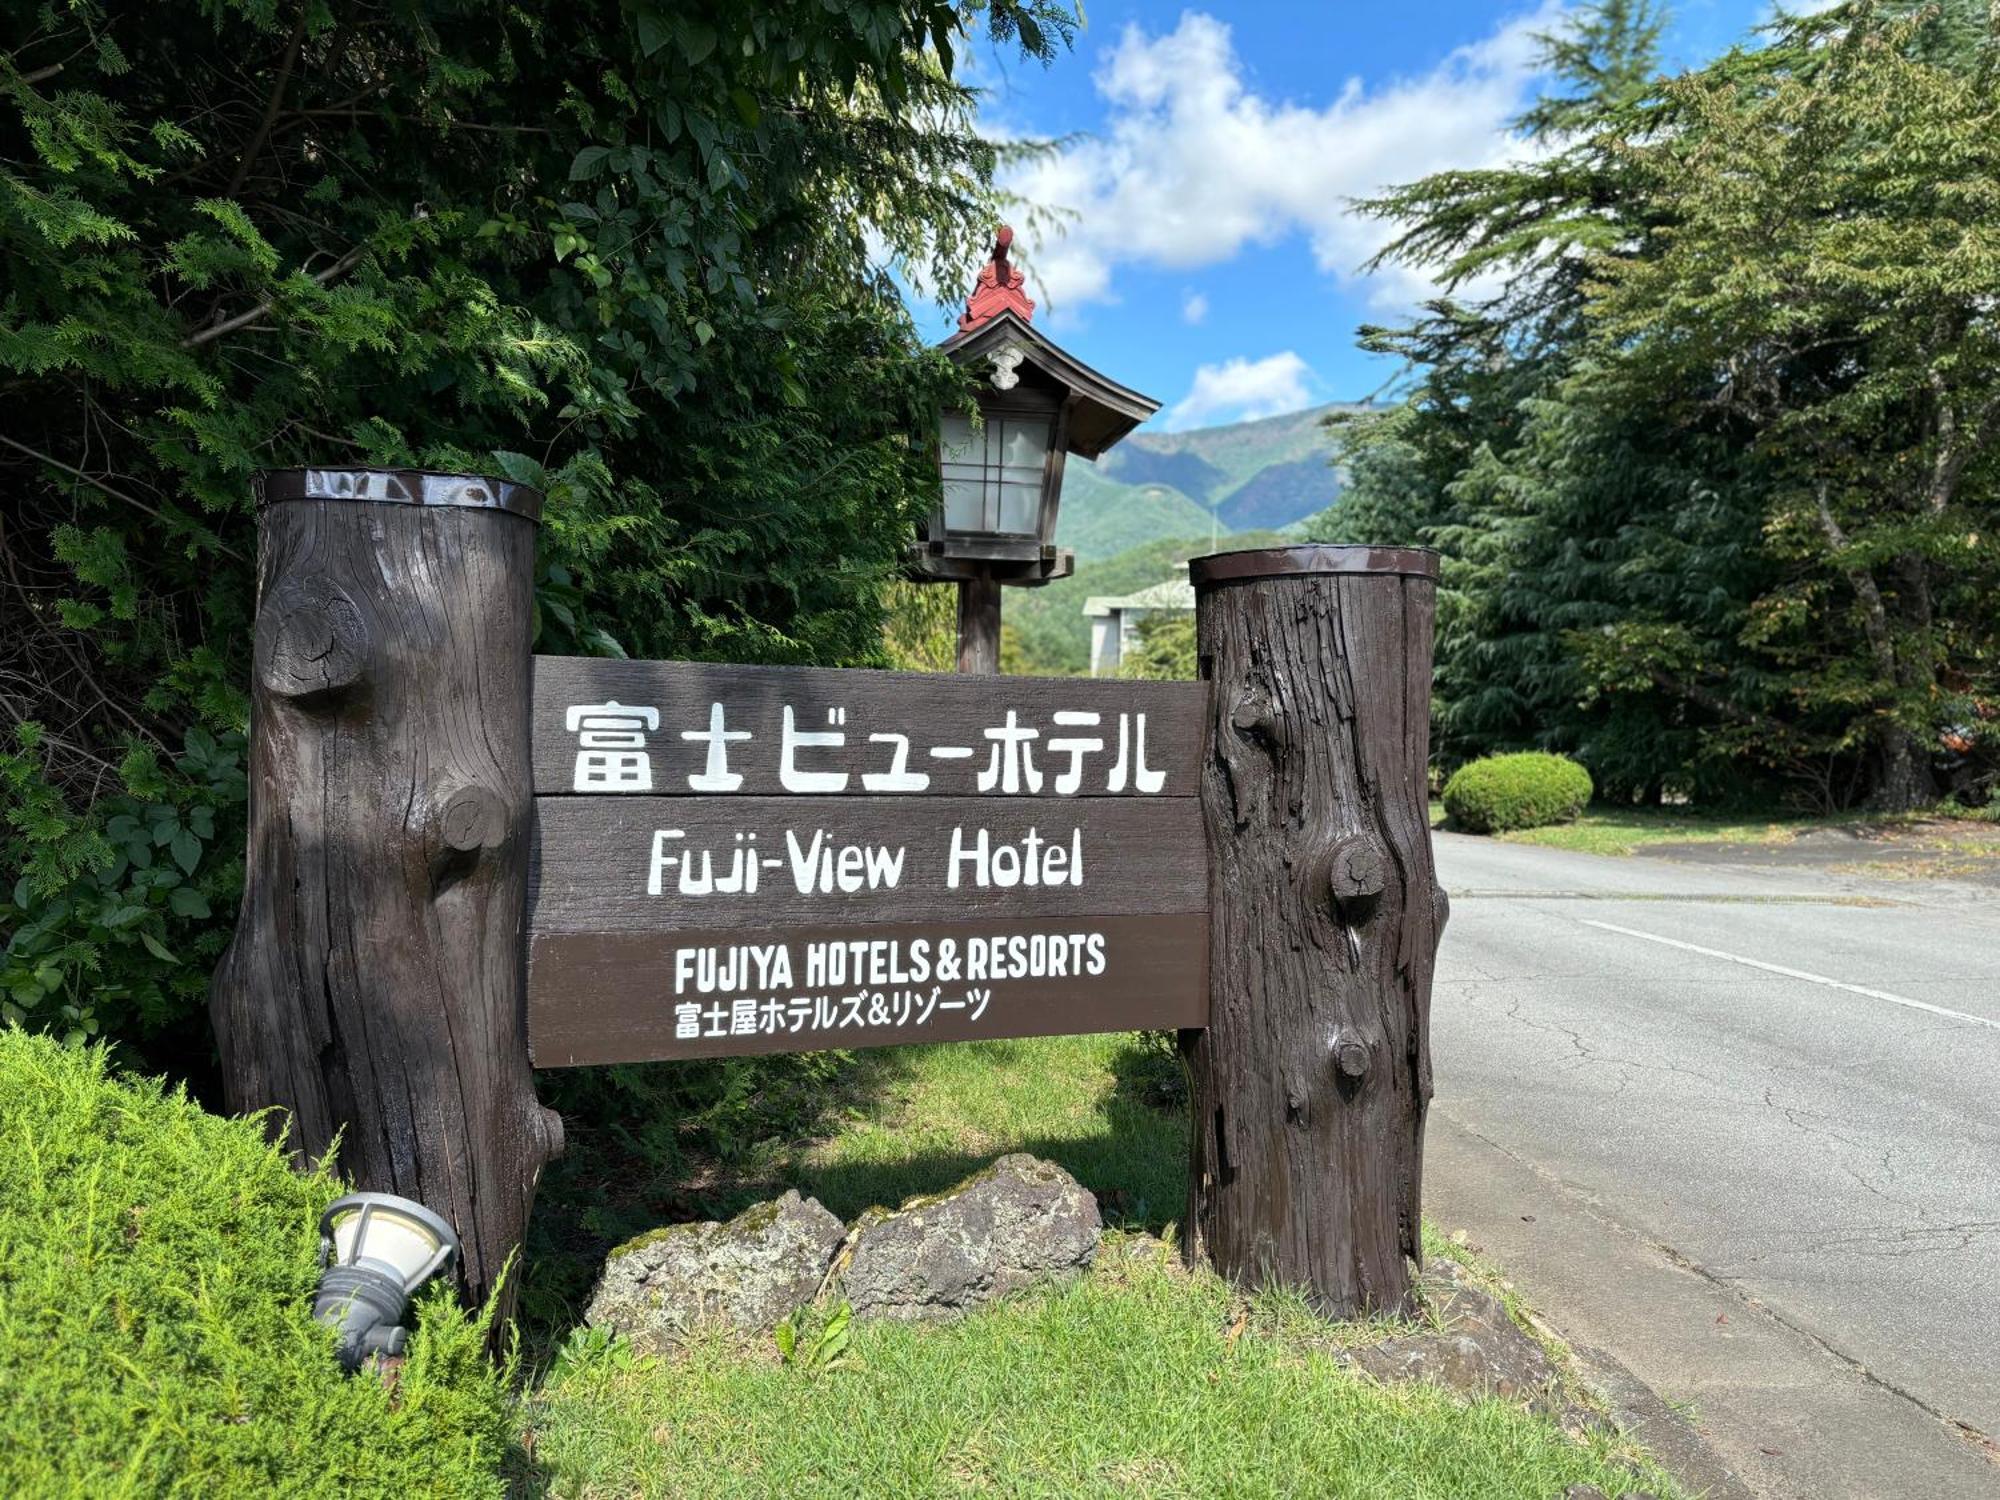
[1778,1412]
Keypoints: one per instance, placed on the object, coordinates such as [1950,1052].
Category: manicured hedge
[155,1337]
[1516,791]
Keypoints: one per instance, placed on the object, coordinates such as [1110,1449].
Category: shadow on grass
[853,1144]
[1130,1150]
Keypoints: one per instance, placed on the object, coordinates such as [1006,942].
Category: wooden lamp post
[1002,465]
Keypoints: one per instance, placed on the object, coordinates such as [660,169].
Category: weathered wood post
[979,626]
[374,989]
[1310,1084]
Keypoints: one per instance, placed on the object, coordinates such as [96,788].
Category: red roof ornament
[999,290]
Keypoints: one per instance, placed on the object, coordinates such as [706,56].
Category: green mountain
[1101,517]
[1158,485]
[1055,636]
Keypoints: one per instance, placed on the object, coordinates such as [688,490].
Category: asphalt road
[1786,1083]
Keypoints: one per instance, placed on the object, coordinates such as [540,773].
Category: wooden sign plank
[658,864]
[638,996]
[737,860]
[676,728]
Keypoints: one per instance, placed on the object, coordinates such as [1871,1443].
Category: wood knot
[1353,873]
[1350,1054]
[472,818]
[311,642]
[1253,718]
[1357,869]
[549,1125]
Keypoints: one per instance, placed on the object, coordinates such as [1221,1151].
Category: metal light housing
[376,1250]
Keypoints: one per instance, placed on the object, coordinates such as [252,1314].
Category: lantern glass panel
[962,451]
[1020,507]
[1024,444]
[993,477]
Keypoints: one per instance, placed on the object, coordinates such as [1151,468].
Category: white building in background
[1114,619]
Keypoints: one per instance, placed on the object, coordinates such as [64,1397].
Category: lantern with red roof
[1002,463]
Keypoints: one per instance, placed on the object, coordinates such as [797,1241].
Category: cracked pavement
[1826,1162]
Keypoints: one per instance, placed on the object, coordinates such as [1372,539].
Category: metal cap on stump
[1310,1084]
[374,989]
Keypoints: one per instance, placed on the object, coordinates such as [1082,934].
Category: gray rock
[749,1273]
[1584,1492]
[1481,1351]
[1019,1222]
[1470,1365]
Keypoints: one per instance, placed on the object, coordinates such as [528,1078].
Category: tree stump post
[374,990]
[1310,1083]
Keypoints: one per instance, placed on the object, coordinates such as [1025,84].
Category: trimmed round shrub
[156,1272]
[1527,790]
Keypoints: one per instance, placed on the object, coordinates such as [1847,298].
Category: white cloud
[1242,390]
[1191,165]
[1194,307]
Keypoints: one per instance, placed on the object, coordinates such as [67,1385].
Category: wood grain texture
[1310,1083]
[929,709]
[374,988]
[593,859]
[612,997]
[979,627]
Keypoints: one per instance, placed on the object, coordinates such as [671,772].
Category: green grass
[1602,829]
[937,1114]
[1141,1379]
[156,1335]
[1127,1383]
[1621,830]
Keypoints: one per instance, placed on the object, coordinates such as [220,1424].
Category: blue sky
[1210,259]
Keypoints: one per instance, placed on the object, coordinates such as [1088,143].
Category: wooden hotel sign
[454,843]
[739,860]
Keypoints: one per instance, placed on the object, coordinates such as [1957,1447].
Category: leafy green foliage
[812,1340]
[156,1270]
[1165,648]
[1715,472]
[635,253]
[1826,297]
[115,917]
[921,632]
[1524,790]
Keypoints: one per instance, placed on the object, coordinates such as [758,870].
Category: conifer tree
[1715,468]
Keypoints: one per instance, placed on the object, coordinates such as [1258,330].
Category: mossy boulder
[1020,1222]
[749,1273]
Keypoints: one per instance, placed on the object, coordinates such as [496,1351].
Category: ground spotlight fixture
[375,1250]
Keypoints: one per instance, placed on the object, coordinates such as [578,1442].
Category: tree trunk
[1311,1081]
[374,989]
[1903,778]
